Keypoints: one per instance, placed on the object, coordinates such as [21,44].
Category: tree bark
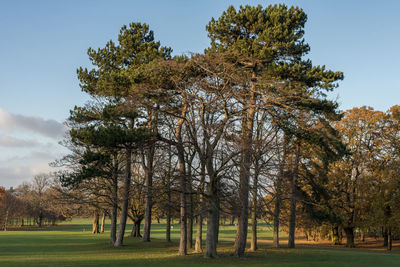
[149,201]
[182,184]
[168,223]
[199,232]
[335,235]
[6,221]
[277,212]
[190,224]
[390,239]
[136,228]
[349,236]
[95,226]
[253,246]
[244,176]
[125,199]
[103,221]
[292,223]
[113,230]
[385,237]
[212,226]
[293,202]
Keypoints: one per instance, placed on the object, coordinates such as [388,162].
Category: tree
[267,46]
[117,72]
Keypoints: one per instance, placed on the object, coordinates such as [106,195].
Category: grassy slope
[73,245]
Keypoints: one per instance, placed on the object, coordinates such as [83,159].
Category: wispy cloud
[49,128]
[15,175]
[8,141]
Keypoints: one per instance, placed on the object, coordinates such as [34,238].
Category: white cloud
[49,128]
[8,141]
[28,144]
[16,175]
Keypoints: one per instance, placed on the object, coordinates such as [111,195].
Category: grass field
[74,245]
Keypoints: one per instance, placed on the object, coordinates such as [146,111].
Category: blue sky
[42,43]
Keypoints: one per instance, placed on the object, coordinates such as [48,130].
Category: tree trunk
[149,201]
[349,236]
[335,235]
[40,220]
[6,221]
[168,225]
[190,210]
[183,207]
[103,221]
[292,223]
[254,246]
[125,199]
[113,228]
[199,232]
[244,176]
[95,226]
[292,218]
[182,183]
[212,227]
[190,226]
[385,236]
[390,239]
[136,228]
[277,212]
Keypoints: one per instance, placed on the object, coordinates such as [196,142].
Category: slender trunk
[390,239]
[292,223]
[244,176]
[349,236]
[277,212]
[113,230]
[190,225]
[168,224]
[183,207]
[199,232]
[103,221]
[6,221]
[149,185]
[213,211]
[292,218]
[167,184]
[278,196]
[40,220]
[190,213]
[385,237]
[254,246]
[388,229]
[125,199]
[95,226]
[362,237]
[335,235]
[212,224]
[182,184]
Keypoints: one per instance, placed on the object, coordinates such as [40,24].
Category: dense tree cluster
[37,203]
[244,131]
[206,132]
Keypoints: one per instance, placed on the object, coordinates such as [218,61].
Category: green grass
[74,245]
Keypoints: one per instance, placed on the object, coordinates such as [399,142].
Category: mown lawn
[74,245]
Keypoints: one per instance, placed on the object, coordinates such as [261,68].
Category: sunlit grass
[74,245]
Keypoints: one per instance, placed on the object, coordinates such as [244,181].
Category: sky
[42,43]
